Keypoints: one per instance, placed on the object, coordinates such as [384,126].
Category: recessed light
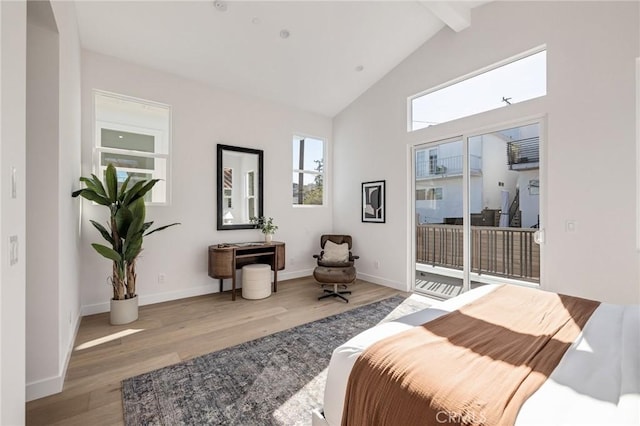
[220,5]
[120,136]
[359,68]
[284,33]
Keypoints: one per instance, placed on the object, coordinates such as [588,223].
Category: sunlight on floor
[310,395]
[108,338]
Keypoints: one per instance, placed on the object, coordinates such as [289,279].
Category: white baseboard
[98,308]
[52,385]
[296,274]
[45,387]
[383,281]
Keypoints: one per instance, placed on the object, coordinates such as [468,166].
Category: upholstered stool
[337,276]
[256,281]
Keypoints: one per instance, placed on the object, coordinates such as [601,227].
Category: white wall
[42,254]
[69,148]
[202,117]
[591,51]
[12,211]
[53,168]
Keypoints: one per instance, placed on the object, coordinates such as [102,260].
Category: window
[251,193]
[133,135]
[428,194]
[227,188]
[433,161]
[434,194]
[521,79]
[308,171]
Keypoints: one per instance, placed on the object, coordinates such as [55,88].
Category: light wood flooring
[170,332]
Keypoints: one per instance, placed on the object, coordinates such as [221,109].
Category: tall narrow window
[518,80]
[133,135]
[251,193]
[227,190]
[308,171]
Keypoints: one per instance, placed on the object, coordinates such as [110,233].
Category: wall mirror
[239,179]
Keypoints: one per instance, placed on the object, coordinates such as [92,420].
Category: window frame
[468,76]
[296,137]
[160,136]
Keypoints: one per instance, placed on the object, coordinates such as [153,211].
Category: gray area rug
[274,380]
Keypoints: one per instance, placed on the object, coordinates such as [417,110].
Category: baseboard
[383,281]
[52,385]
[292,275]
[99,308]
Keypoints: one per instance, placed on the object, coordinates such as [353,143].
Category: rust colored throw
[473,366]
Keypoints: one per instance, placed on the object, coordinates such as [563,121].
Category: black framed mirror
[239,181]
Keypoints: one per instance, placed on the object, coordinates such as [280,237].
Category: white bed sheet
[597,381]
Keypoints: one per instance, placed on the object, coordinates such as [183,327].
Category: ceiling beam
[455,15]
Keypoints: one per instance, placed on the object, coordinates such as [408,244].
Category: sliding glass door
[477,210]
[439,218]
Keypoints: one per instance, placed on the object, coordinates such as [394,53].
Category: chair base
[335,293]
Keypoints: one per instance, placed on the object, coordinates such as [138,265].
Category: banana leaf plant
[126,228]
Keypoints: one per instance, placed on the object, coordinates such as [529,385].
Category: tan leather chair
[332,270]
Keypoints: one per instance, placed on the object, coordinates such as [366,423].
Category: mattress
[596,382]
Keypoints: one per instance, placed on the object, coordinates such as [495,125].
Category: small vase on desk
[268,238]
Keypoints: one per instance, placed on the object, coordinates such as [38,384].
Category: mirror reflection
[239,186]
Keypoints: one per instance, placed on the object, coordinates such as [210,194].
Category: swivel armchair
[335,265]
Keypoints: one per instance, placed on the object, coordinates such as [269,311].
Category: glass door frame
[541,119]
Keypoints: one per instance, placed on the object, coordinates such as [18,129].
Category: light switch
[570,226]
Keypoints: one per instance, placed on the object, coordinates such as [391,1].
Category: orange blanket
[474,366]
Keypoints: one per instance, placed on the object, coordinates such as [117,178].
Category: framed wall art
[373,201]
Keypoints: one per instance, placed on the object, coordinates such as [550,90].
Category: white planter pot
[268,238]
[124,311]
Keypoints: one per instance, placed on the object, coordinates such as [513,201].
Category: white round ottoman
[256,281]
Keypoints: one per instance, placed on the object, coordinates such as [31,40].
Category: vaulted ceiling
[318,56]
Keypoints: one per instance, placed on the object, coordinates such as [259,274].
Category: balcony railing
[523,153]
[503,252]
[435,167]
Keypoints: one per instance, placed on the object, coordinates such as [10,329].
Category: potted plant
[125,233]
[265,225]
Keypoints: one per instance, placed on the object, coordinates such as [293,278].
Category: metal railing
[523,151]
[432,167]
[503,252]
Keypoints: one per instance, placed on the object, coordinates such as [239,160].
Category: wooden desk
[224,259]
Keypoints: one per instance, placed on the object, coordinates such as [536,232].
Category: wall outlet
[376,264]
[162,277]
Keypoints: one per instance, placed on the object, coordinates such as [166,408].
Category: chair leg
[335,293]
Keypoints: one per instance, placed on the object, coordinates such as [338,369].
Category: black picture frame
[373,206]
[220,176]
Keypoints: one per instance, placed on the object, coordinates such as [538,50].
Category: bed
[597,380]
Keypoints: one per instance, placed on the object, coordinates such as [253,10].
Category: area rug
[274,380]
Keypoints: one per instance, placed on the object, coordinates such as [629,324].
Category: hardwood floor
[170,332]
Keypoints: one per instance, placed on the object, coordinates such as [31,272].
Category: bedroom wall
[590,140]
[202,117]
[53,168]
[42,256]
[13,21]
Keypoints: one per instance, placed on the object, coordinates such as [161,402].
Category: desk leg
[275,271]
[221,280]
[233,286]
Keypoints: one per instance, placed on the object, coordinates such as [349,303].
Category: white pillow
[335,252]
